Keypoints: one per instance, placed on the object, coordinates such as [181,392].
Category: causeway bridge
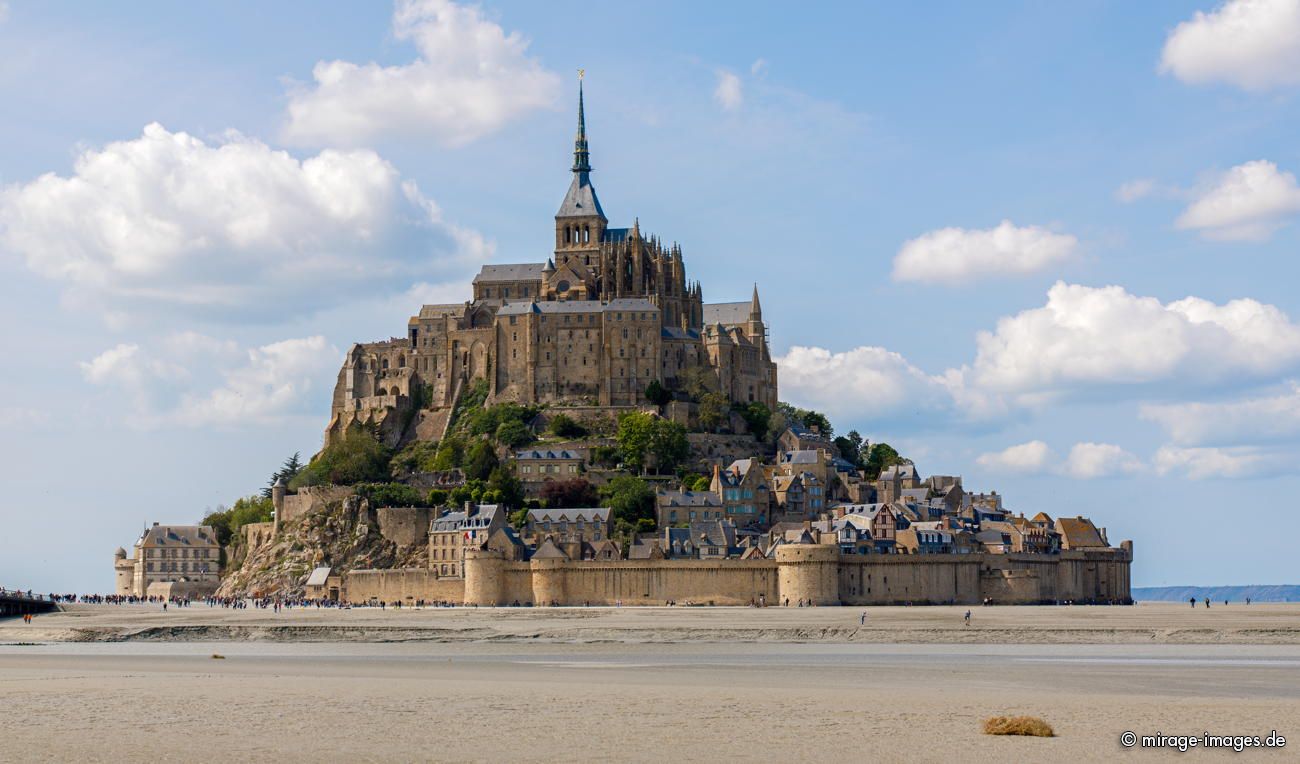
[13,603]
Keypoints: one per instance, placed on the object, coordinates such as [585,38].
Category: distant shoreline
[1256,593]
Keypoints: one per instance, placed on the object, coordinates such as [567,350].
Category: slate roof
[179,535]
[726,312]
[676,333]
[437,311]
[551,306]
[318,576]
[586,514]
[510,272]
[903,471]
[533,453]
[800,457]
[615,234]
[631,304]
[580,200]
[687,499]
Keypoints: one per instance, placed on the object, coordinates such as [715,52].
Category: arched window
[401,361]
[385,364]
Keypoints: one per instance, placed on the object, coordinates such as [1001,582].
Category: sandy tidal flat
[527,698]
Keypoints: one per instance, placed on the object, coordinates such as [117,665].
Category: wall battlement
[810,573]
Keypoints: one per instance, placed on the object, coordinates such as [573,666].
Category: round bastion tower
[808,572]
[485,582]
[124,572]
[549,582]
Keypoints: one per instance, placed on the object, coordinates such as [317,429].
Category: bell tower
[580,224]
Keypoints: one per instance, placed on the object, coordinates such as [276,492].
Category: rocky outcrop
[342,534]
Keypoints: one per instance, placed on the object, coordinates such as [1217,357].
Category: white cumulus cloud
[1088,461]
[729,94]
[1253,44]
[1235,422]
[470,78]
[1087,336]
[236,229]
[1220,463]
[958,255]
[862,383]
[193,380]
[1248,202]
[1025,458]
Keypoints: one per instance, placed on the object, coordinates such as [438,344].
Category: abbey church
[607,313]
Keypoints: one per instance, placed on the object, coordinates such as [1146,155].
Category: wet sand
[548,698]
[1145,623]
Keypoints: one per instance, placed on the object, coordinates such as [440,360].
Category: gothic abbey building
[611,311]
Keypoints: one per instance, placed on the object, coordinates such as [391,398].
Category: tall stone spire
[580,201]
[755,310]
[581,158]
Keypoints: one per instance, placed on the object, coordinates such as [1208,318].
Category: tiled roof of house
[1079,532]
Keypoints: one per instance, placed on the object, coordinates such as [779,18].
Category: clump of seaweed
[1030,726]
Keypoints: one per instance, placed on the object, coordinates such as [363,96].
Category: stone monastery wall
[812,573]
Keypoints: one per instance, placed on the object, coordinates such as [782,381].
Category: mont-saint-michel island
[588,430]
[441,380]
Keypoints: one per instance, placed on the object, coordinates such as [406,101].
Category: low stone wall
[257,534]
[405,585]
[310,499]
[405,526]
[809,573]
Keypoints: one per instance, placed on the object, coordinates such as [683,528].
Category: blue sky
[1050,247]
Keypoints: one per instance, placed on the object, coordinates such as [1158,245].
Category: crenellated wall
[810,573]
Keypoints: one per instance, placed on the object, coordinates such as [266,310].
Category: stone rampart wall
[808,573]
[406,585]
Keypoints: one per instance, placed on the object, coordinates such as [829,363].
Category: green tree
[850,447]
[480,460]
[701,483]
[577,492]
[357,457]
[712,411]
[503,488]
[437,497]
[879,457]
[807,418]
[393,495]
[450,455]
[287,472]
[514,434]
[643,437]
[657,394]
[632,504]
[756,416]
[565,426]
[249,509]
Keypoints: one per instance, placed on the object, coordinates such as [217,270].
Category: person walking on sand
[968,618]
[863,620]
[1207,603]
[1193,603]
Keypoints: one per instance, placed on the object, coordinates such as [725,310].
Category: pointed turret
[755,309]
[581,157]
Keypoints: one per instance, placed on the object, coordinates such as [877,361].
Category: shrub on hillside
[357,457]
